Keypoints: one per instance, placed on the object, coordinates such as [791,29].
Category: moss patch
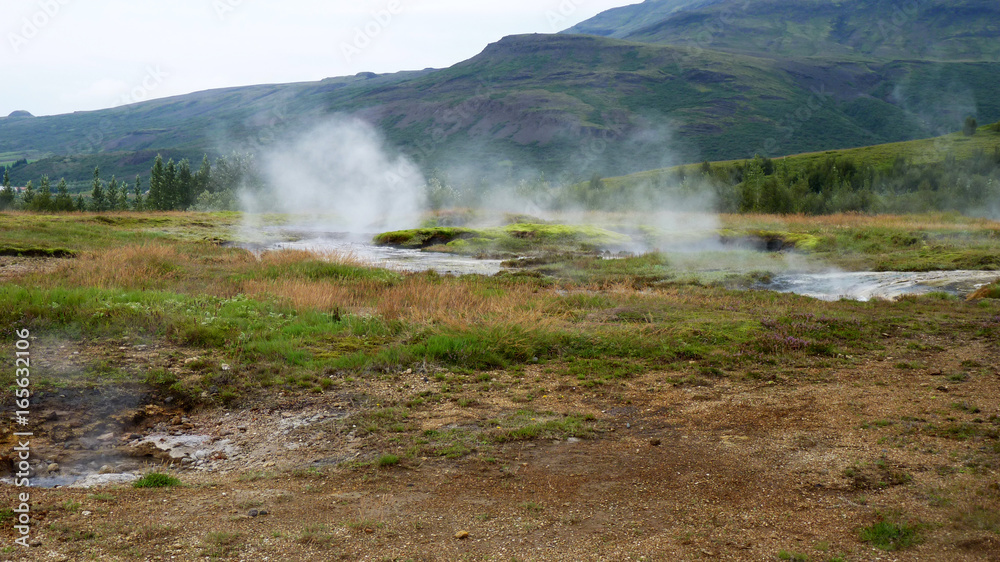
[509,239]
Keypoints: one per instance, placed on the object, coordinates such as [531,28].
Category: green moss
[509,239]
[422,237]
[37,252]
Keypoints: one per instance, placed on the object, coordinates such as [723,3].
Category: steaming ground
[341,176]
[695,253]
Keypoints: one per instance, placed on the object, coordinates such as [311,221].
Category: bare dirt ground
[789,464]
[14,266]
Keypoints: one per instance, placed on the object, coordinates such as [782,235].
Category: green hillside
[959,172]
[561,103]
[881,29]
[575,105]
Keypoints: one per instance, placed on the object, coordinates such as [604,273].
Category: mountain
[952,30]
[585,104]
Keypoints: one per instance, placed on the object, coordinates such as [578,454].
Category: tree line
[172,186]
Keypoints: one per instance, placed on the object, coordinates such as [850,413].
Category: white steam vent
[341,174]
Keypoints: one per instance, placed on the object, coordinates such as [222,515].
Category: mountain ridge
[580,104]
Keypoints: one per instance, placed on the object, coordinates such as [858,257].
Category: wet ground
[829,285]
[868,285]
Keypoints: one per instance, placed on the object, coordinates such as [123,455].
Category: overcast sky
[59,56]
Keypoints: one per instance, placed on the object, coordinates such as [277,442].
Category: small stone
[462,535]
[106,469]
[54,467]
[253,513]
[262,512]
[942,388]
[225,367]
[86,513]
[654,442]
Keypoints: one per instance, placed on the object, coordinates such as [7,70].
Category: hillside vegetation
[959,172]
[642,87]
[929,29]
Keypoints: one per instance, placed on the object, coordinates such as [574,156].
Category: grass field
[474,375]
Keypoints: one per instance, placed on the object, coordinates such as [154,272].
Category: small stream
[830,286]
[399,259]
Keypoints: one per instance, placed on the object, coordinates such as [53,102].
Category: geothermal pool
[868,285]
[360,247]
[836,285]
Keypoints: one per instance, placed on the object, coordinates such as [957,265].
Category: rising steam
[341,174]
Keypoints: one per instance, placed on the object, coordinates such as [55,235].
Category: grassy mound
[991,291]
[512,238]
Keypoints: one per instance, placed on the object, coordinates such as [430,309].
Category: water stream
[399,259]
[868,285]
[835,285]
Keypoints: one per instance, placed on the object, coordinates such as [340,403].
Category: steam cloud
[341,174]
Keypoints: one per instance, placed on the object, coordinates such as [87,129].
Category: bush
[970,126]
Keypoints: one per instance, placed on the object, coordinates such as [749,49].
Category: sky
[60,56]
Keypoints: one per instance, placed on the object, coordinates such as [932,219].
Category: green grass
[388,460]
[510,239]
[892,532]
[524,425]
[316,536]
[220,544]
[156,480]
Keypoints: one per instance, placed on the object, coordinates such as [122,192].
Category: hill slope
[785,78]
[882,29]
[553,103]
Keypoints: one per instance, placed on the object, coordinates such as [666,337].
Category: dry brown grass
[139,266]
[415,299]
[286,258]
